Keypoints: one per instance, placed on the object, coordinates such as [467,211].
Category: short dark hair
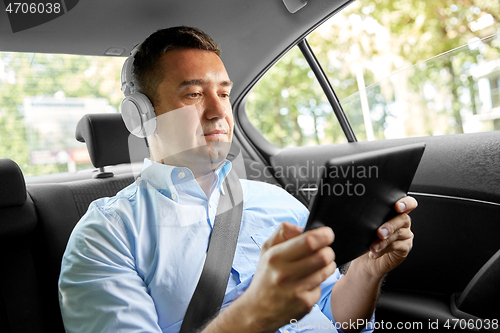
[146,72]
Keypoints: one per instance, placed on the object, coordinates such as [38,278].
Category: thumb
[284,232]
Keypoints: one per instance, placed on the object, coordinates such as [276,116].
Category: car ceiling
[251,34]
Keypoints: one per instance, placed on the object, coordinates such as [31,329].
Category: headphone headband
[126,76]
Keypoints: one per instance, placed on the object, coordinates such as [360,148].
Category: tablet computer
[356,194]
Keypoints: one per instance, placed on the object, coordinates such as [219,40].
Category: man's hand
[291,268]
[395,240]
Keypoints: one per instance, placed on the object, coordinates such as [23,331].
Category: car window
[42,98]
[399,69]
[289,107]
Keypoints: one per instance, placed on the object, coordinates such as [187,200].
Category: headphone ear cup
[138,115]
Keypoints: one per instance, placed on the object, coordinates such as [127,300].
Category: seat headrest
[108,140]
[12,185]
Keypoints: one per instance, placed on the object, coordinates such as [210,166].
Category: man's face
[194,115]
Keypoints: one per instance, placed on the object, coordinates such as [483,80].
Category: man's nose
[215,107]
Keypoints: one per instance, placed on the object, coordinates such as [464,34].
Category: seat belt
[209,293]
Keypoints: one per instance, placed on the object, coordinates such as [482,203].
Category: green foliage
[286,96]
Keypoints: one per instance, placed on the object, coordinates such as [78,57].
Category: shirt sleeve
[99,287]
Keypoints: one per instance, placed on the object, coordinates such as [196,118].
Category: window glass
[289,107]
[429,67]
[42,98]
[400,69]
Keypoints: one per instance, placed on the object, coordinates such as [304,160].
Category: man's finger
[392,226]
[401,247]
[284,232]
[311,264]
[406,205]
[314,280]
[400,235]
[306,244]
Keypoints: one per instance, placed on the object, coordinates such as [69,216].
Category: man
[133,261]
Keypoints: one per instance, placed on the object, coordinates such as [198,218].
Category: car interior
[452,273]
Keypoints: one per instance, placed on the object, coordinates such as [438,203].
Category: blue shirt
[133,261]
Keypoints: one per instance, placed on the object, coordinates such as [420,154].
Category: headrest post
[103,174]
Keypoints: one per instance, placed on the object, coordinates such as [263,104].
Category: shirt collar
[164,177]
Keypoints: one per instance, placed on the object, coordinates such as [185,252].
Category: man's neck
[206,182]
[206,177]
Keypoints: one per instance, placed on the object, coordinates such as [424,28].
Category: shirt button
[174,196]
[181,174]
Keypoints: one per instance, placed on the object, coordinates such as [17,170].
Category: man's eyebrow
[200,82]
[228,83]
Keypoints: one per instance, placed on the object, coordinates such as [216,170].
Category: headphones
[136,109]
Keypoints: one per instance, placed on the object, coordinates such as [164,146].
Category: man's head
[180,70]
[148,72]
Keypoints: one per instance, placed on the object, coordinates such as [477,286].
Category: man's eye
[194,95]
[224,95]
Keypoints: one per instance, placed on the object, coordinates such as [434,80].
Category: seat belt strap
[209,293]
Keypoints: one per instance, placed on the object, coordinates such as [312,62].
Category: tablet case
[356,195]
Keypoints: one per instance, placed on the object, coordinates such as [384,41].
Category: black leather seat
[20,305]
